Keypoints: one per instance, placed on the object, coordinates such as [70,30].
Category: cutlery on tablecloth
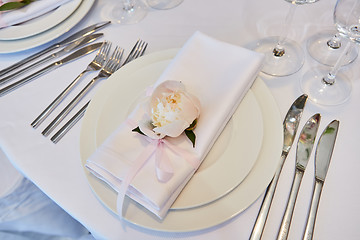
[290,125]
[110,67]
[73,46]
[323,155]
[304,148]
[96,64]
[86,31]
[79,53]
[136,51]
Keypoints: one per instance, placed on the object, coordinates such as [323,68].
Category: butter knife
[79,53]
[323,155]
[290,125]
[304,148]
[75,45]
[86,31]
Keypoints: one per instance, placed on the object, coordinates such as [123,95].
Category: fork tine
[103,52]
[134,49]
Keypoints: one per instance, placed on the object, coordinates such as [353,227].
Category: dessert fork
[137,51]
[96,64]
[110,67]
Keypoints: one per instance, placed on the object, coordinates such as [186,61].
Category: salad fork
[137,51]
[110,67]
[96,64]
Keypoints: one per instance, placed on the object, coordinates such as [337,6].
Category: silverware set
[102,62]
[305,145]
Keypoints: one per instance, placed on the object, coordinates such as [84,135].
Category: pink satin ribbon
[163,166]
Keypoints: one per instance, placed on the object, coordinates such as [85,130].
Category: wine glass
[331,87]
[163,4]
[128,11]
[282,56]
[327,46]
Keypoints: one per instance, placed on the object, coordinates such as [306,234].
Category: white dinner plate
[41,23]
[199,217]
[51,34]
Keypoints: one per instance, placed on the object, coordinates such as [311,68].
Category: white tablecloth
[57,171]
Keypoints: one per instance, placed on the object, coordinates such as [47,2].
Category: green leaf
[191,135]
[138,131]
[192,125]
[329,130]
[14,5]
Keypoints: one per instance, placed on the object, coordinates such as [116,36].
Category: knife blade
[323,155]
[290,125]
[79,43]
[304,148]
[79,53]
[72,38]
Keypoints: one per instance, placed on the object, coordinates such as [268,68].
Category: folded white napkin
[219,74]
[33,10]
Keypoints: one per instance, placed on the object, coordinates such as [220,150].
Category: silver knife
[86,31]
[79,53]
[79,43]
[323,155]
[304,148]
[290,125]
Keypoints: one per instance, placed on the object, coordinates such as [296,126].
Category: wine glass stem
[329,79]
[279,48]
[334,42]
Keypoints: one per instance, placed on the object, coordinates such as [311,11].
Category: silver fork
[96,64]
[110,67]
[137,51]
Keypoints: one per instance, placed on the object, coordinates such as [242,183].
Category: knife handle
[309,230]
[27,79]
[27,60]
[265,206]
[286,220]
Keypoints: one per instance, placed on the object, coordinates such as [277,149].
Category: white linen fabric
[28,12]
[219,74]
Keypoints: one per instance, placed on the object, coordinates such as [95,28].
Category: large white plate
[230,159]
[208,215]
[40,24]
[51,34]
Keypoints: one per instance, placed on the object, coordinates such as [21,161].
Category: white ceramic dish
[51,34]
[186,219]
[40,24]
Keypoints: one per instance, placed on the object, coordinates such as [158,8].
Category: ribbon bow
[163,166]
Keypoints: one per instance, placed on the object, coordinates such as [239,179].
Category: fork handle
[69,107]
[56,101]
[68,125]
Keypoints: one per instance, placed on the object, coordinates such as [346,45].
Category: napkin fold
[28,12]
[216,72]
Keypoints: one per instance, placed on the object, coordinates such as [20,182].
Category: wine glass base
[163,4]
[287,64]
[318,48]
[122,14]
[321,93]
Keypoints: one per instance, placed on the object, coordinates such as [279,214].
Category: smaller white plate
[41,23]
[50,34]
